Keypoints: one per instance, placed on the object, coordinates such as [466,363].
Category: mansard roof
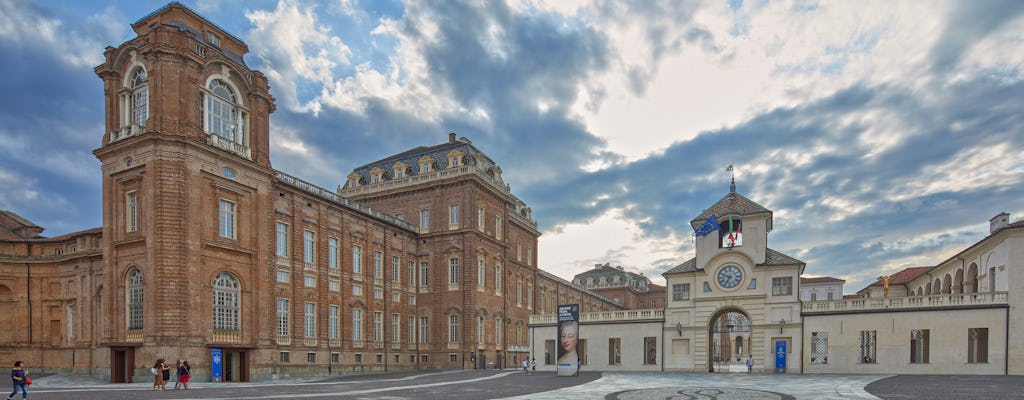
[732,204]
[439,153]
[772,257]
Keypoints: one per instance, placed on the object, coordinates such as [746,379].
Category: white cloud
[76,44]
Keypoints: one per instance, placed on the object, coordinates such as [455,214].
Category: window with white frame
[411,327]
[227,219]
[782,286]
[412,273]
[866,344]
[131,211]
[453,271]
[334,285]
[282,239]
[333,316]
[378,293]
[309,248]
[378,265]
[332,254]
[480,219]
[139,97]
[222,113]
[310,326]
[497,330]
[453,216]
[378,326]
[424,274]
[819,347]
[311,357]
[919,346]
[357,324]
[424,219]
[519,293]
[309,281]
[283,276]
[396,296]
[357,259]
[480,329]
[424,329]
[529,254]
[497,279]
[135,298]
[614,351]
[680,291]
[357,289]
[283,327]
[497,228]
[396,329]
[519,250]
[453,328]
[481,275]
[529,297]
[396,266]
[225,302]
[412,299]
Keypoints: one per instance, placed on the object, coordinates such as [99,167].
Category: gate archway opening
[728,341]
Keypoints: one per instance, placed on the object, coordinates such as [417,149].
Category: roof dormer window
[213,39]
[455,159]
[376,175]
[354,179]
[400,169]
[426,165]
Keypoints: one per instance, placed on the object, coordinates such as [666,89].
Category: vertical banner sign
[780,356]
[216,367]
[568,338]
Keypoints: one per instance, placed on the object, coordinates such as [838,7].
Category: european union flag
[707,227]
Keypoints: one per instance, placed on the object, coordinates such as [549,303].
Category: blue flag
[707,227]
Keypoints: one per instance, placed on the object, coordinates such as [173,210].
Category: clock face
[730,276]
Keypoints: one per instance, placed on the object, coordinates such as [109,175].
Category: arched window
[222,112]
[139,97]
[135,297]
[225,302]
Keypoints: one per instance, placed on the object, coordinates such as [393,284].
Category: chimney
[451,137]
[998,222]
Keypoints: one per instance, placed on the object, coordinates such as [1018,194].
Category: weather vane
[732,185]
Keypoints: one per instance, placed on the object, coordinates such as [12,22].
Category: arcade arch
[729,336]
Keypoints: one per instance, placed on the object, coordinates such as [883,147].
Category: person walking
[177,375]
[525,367]
[750,364]
[185,373]
[20,378]
[158,377]
[533,367]
[166,371]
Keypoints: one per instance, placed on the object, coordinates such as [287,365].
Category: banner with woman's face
[568,333]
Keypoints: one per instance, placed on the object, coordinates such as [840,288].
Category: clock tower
[736,297]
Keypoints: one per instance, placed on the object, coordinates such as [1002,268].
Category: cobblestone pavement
[478,385]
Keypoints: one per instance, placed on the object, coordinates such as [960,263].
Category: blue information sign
[215,363]
[780,356]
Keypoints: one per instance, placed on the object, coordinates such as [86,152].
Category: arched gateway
[729,340]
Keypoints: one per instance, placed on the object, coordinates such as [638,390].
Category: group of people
[530,368]
[162,374]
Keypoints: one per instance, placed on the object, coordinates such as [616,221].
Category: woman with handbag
[158,375]
[20,378]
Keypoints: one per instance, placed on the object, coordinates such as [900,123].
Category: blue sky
[883,135]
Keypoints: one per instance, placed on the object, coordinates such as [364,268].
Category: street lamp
[782,324]
[679,328]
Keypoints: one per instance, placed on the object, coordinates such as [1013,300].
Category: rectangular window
[529,254]
[396,296]
[614,351]
[782,286]
[424,274]
[453,216]
[378,293]
[680,291]
[453,271]
[283,276]
[285,356]
[378,326]
[412,273]
[519,294]
[519,250]
[357,290]
[311,357]
[282,239]
[396,329]
[283,327]
[480,219]
[378,265]
[919,346]
[453,358]
[396,267]
[359,358]
[497,228]
[977,345]
[411,326]
[819,347]
[332,254]
[309,281]
[227,219]
[310,331]
[549,352]
[424,220]
[480,274]
[309,248]
[650,351]
[497,330]
[336,358]
[412,299]
[453,328]
[357,259]
[497,280]
[867,347]
[333,316]
[131,212]
[424,329]
[529,297]
[334,285]
[357,324]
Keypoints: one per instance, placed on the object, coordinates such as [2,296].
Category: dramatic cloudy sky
[883,135]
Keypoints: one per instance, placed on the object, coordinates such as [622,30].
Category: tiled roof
[19,219]
[438,152]
[822,279]
[903,277]
[732,203]
[772,257]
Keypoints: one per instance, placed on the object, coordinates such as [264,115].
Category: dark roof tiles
[733,203]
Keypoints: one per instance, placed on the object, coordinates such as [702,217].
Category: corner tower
[186,183]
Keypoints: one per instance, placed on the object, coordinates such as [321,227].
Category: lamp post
[679,328]
[782,324]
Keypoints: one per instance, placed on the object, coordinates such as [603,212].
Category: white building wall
[596,335]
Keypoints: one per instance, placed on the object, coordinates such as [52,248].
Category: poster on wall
[568,339]
[216,356]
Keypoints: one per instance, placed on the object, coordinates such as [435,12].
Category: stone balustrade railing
[605,316]
[913,302]
[334,197]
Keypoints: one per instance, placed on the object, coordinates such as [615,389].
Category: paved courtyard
[492,384]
